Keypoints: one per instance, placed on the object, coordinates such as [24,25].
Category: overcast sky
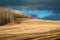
[32,4]
[35,5]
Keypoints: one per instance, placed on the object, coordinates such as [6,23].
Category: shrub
[6,16]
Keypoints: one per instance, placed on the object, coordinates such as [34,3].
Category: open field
[15,26]
[31,29]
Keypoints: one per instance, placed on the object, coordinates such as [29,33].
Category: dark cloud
[53,17]
[32,4]
[35,4]
[57,12]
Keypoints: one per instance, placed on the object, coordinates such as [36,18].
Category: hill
[30,29]
[9,16]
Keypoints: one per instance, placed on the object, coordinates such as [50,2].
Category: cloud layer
[32,4]
[35,4]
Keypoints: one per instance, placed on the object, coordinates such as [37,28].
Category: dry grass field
[30,29]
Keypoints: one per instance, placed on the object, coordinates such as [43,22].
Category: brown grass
[8,16]
[31,29]
[28,29]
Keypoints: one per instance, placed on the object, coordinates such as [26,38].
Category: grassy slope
[28,28]
[31,29]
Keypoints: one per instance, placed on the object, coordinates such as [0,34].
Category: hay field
[30,29]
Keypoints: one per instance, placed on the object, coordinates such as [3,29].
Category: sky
[45,9]
[32,4]
[38,13]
